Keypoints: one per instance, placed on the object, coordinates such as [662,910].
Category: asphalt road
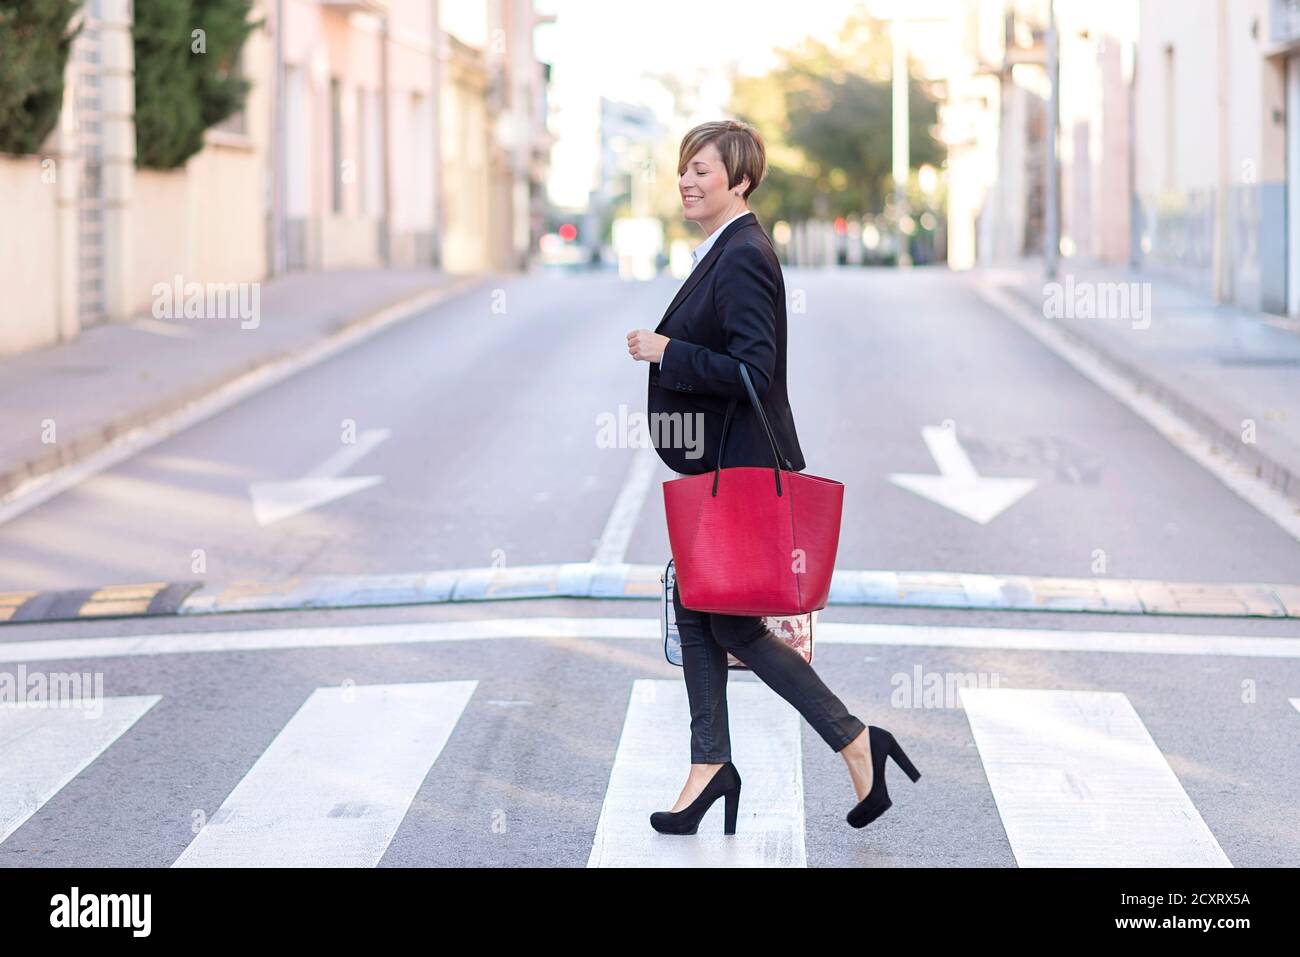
[491,455]
[492,451]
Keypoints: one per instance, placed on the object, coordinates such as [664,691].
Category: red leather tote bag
[750,540]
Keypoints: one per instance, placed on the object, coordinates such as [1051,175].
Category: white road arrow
[958,486]
[273,501]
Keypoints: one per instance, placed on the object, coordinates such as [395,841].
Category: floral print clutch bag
[795,630]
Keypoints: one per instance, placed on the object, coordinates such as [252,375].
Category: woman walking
[731,309]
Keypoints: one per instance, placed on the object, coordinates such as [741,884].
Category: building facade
[994,117]
[376,133]
[1216,97]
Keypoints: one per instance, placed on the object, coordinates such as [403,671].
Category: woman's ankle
[859,746]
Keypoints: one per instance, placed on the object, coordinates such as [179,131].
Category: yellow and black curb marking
[110,601]
[579,580]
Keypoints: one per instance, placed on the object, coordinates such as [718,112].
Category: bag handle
[771,438]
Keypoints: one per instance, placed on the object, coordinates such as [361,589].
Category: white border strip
[612,548]
[641,629]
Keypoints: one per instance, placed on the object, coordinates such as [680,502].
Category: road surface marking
[274,501]
[650,767]
[1079,783]
[627,509]
[958,486]
[335,784]
[638,629]
[43,746]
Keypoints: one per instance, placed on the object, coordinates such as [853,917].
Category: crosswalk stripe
[1079,782]
[1295,702]
[46,745]
[1076,777]
[334,785]
[650,767]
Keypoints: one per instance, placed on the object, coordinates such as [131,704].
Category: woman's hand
[647,345]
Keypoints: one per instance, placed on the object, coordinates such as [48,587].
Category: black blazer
[731,307]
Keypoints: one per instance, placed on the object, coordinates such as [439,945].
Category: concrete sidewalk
[1219,367]
[119,376]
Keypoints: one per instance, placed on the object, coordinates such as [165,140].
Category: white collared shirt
[700,251]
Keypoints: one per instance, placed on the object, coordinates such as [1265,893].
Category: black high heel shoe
[877,800]
[725,781]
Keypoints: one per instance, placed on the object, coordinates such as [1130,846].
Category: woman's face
[703,186]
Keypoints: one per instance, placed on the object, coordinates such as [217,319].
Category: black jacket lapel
[710,257]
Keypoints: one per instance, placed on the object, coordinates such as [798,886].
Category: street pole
[279,255]
[385,148]
[1052,225]
[901,159]
[435,135]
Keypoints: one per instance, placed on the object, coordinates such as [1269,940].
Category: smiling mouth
[691,200]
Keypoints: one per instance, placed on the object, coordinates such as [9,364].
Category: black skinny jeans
[706,638]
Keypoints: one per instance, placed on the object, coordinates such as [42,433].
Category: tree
[221,88]
[825,115]
[34,45]
[186,74]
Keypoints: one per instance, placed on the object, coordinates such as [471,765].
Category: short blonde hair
[739,145]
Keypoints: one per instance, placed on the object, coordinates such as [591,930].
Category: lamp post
[901,154]
[902,16]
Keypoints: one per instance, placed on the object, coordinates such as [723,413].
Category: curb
[586,580]
[1279,477]
[16,481]
[111,601]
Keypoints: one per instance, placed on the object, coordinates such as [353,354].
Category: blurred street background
[312,340]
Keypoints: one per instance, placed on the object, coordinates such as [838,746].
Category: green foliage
[825,115]
[185,82]
[220,87]
[167,126]
[34,45]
